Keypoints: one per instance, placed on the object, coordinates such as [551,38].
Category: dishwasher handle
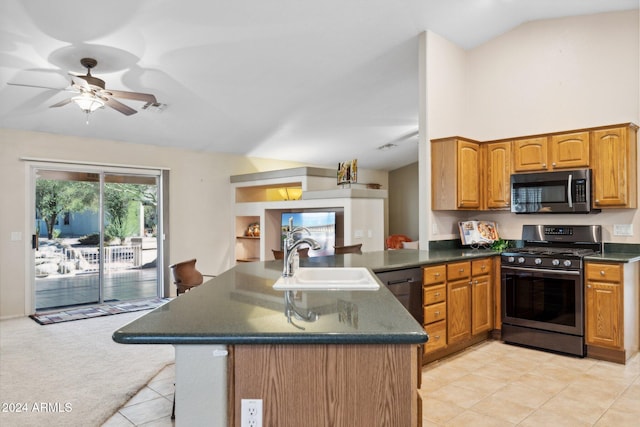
[399,281]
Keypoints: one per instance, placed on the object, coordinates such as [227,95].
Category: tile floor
[490,384]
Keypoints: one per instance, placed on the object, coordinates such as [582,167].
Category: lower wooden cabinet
[604,303]
[481,296]
[611,311]
[437,336]
[469,303]
[434,302]
[459,311]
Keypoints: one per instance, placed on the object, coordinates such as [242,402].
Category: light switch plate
[623,229]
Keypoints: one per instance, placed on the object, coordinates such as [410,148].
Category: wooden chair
[349,249]
[186,276]
[302,253]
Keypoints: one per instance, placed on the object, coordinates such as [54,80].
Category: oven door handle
[542,270]
[569,199]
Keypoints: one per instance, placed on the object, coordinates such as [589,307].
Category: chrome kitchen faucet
[291,246]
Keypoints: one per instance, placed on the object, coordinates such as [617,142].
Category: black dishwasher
[406,285]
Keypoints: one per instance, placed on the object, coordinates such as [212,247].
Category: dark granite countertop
[241,307]
[611,256]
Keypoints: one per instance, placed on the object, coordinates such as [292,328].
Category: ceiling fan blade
[39,87]
[61,103]
[119,106]
[146,97]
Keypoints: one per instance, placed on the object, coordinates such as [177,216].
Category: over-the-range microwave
[552,192]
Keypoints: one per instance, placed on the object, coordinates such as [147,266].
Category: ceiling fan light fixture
[88,103]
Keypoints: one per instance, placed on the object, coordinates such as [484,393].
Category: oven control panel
[534,261]
[558,231]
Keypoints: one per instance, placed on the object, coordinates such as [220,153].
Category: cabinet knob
[597,202]
[483,267]
[589,286]
[436,314]
[553,164]
[437,275]
[544,165]
[437,294]
[602,272]
[462,270]
[437,337]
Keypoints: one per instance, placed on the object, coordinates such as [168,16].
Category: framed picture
[348,172]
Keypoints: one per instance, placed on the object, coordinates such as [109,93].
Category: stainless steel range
[543,287]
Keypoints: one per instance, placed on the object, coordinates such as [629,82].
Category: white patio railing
[115,257]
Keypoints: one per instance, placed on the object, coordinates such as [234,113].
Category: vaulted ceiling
[316,82]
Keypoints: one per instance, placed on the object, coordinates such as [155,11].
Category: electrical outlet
[623,229]
[251,413]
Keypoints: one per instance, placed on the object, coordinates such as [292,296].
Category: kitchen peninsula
[360,360]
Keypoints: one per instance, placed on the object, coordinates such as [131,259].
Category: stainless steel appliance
[552,192]
[542,287]
[406,285]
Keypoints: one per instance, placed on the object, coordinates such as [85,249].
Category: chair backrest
[186,275]
[302,253]
[394,241]
[349,249]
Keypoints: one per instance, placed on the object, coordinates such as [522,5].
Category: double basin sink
[329,278]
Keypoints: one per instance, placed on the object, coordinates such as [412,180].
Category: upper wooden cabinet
[569,150]
[456,174]
[530,154]
[614,166]
[558,151]
[472,175]
[498,175]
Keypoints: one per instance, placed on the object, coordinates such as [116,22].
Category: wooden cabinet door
[481,310]
[469,180]
[498,175]
[530,154]
[614,168]
[569,150]
[604,314]
[458,311]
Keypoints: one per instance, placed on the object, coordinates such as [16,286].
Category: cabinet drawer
[435,312]
[604,272]
[458,270]
[434,274]
[434,294]
[481,266]
[437,336]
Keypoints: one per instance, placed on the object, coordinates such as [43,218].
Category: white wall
[443,106]
[404,210]
[542,76]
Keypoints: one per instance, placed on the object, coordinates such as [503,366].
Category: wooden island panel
[329,385]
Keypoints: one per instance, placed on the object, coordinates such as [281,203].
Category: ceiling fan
[92,94]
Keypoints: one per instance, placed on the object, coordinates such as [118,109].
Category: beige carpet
[71,374]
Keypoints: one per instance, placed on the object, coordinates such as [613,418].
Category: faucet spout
[290,250]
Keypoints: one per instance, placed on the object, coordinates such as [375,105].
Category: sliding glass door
[96,237]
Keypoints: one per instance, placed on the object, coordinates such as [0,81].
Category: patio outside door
[96,237]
